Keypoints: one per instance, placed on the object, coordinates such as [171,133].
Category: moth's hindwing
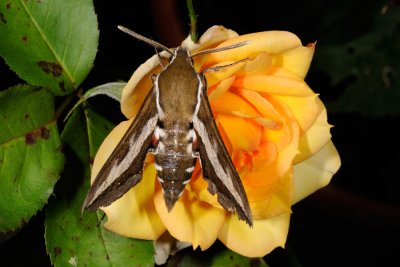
[124,167]
[217,166]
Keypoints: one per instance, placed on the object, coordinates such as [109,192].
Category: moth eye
[160,124]
[190,125]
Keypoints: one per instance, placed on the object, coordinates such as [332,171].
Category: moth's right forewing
[124,167]
[217,166]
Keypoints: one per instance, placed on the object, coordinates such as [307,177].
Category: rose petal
[274,85]
[213,77]
[243,134]
[272,199]
[210,38]
[257,241]
[296,60]
[139,86]
[315,137]
[230,102]
[257,66]
[263,106]
[272,42]
[264,156]
[281,72]
[133,214]
[190,220]
[220,89]
[315,172]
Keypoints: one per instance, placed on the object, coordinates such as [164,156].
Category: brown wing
[217,165]
[124,167]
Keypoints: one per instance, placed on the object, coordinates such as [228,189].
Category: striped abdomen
[174,160]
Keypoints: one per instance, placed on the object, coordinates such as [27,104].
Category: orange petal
[279,71]
[215,76]
[304,109]
[257,241]
[272,42]
[257,66]
[289,130]
[199,187]
[263,106]
[264,156]
[272,199]
[283,160]
[211,38]
[243,134]
[296,60]
[139,86]
[133,214]
[191,220]
[314,138]
[315,172]
[230,103]
[274,85]
[220,89]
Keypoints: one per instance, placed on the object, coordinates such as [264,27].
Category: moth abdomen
[174,162]
[173,173]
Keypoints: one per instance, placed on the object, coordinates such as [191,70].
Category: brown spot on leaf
[26,116]
[50,67]
[24,39]
[2,18]
[61,85]
[8,5]
[31,137]
[57,251]
[44,133]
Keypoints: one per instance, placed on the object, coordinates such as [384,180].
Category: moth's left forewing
[123,169]
[217,166]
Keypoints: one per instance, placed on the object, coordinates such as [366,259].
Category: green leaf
[31,157]
[49,43]
[215,256]
[79,239]
[112,90]
[227,257]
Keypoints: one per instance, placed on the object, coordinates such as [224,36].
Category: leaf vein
[47,42]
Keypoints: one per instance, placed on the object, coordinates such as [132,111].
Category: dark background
[355,220]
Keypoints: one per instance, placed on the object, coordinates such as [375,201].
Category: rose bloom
[274,127]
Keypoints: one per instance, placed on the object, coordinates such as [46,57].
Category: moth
[176,124]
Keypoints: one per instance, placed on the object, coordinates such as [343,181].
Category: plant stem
[193,20]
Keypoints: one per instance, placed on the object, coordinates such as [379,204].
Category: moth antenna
[219,49]
[160,59]
[218,68]
[145,39]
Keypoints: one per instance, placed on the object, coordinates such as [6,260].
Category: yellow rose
[274,127]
